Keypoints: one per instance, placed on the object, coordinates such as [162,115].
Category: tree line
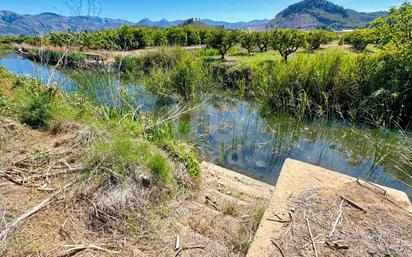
[285,41]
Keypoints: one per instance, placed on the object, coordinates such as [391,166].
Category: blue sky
[228,10]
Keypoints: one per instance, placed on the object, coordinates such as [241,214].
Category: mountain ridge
[314,14]
[306,14]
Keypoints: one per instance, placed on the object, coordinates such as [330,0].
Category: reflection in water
[236,136]
[233,133]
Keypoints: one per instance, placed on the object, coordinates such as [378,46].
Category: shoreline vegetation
[126,169]
[284,69]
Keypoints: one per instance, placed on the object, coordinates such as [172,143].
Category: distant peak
[49,14]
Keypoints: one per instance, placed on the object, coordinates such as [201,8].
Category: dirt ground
[219,219]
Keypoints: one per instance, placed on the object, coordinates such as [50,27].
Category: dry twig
[10,227]
[188,248]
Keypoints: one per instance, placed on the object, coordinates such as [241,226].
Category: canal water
[236,134]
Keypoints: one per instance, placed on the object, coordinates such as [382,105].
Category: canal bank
[317,212]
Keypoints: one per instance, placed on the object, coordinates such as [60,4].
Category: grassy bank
[129,178]
[47,108]
[369,87]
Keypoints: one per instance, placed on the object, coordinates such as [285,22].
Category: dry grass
[102,215]
[332,226]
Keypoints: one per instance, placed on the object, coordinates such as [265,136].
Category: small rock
[144,180]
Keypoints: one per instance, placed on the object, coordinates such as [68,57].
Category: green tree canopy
[359,39]
[396,28]
[222,40]
[248,41]
[287,41]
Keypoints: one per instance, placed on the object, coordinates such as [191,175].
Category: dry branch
[337,219]
[188,248]
[73,249]
[311,238]
[278,247]
[10,227]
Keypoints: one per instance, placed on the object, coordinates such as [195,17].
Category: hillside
[195,23]
[307,14]
[211,23]
[312,14]
[15,24]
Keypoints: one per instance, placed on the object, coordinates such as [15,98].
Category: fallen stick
[337,219]
[78,248]
[278,247]
[188,248]
[37,177]
[177,245]
[311,238]
[9,178]
[10,227]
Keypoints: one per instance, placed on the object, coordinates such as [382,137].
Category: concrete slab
[297,177]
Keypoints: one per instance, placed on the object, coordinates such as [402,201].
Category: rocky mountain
[307,14]
[195,23]
[159,24]
[228,25]
[235,25]
[15,24]
[312,14]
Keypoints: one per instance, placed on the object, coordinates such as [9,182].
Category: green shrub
[315,38]
[359,39]
[75,57]
[36,106]
[286,41]
[222,40]
[160,167]
[128,64]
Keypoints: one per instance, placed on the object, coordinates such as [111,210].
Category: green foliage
[248,41]
[359,39]
[222,40]
[163,136]
[262,40]
[395,29]
[315,38]
[160,167]
[159,38]
[187,156]
[177,36]
[164,58]
[193,36]
[36,104]
[126,38]
[287,41]
[61,39]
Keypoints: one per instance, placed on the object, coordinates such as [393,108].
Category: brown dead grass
[134,218]
[322,223]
